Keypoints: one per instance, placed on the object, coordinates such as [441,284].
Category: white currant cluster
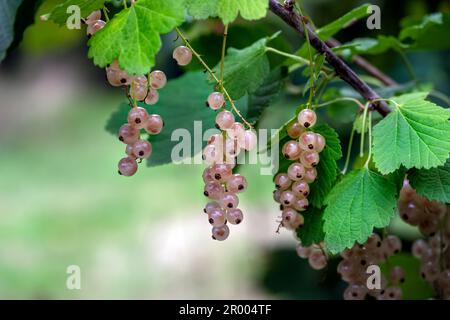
[315,254]
[433,220]
[130,134]
[221,185]
[94,22]
[353,268]
[292,188]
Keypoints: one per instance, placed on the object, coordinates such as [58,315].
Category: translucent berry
[429,226]
[300,189]
[294,130]
[213,190]
[157,79]
[397,275]
[211,155]
[308,141]
[138,117]
[94,27]
[235,216]
[419,248]
[307,118]
[290,219]
[320,142]
[317,259]
[303,252]
[291,150]
[183,55]
[236,183]
[232,149]
[217,217]
[138,92]
[210,206]
[282,181]
[152,97]
[216,100]
[300,204]
[128,134]
[309,159]
[129,150]
[229,201]
[142,149]
[117,78]
[208,175]
[355,292]
[93,17]
[287,198]
[296,171]
[392,245]
[154,124]
[250,140]
[392,293]
[127,166]
[220,233]
[277,195]
[236,131]
[221,172]
[310,175]
[224,120]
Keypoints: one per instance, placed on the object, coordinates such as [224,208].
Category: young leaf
[415,134]
[133,35]
[361,201]
[312,231]
[7,17]
[373,46]
[433,184]
[245,69]
[227,10]
[59,14]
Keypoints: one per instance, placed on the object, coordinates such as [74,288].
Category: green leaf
[433,184]
[8,11]
[415,134]
[327,168]
[245,69]
[361,201]
[312,231]
[371,46]
[429,32]
[133,35]
[178,116]
[227,10]
[59,14]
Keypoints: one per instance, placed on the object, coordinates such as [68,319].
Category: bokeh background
[62,203]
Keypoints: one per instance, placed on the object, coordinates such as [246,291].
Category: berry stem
[105,12]
[209,70]
[370,141]
[408,65]
[363,130]
[360,105]
[222,58]
[349,151]
[125,4]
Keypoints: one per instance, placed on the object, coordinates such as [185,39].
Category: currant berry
[300,189]
[157,79]
[307,118]
[183,55]
[138,117]
[216,100]
[138,92]
[300,204]
[220,233]
[236,131]
[320,142]
[289,218]
[235,216]
[303,252]
[317,259]
[277,195]
[213,190]
[142,149]
[287,198]
[419,248]
[355,292]
[250,140]
[392,245]
[397,275]
[217,218]
[232,149]
[294,130]
[229,201]
[129,151]
[152,97]
[282,181]
[224,120]
[128,134]
[154,124]
[117,78]
[309,159]
[310,175]
[308,141]
[221,172]
[93,17]
[94,27]
[296,171]
[210,206]
[291,150]
[127,166]
[236,183]
[208,175]
[211,155]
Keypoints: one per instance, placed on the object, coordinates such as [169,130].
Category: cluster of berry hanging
[433,220]
[221,185]
[138,88]
[292,187]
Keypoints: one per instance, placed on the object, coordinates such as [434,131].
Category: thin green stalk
[222,59]
[370,141]
[349,151]
[361,147]
[360,105]
[288,55]
[105,12]
[125,4]
[408,65]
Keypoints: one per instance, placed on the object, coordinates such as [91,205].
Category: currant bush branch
[217,80]
[341,68]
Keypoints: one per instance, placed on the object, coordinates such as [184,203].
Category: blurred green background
[62,203]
